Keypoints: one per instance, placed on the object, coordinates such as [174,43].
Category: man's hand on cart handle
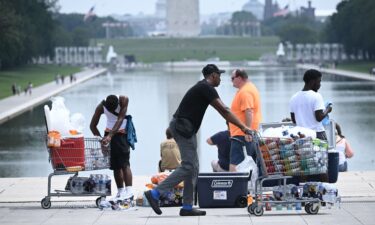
[248,134]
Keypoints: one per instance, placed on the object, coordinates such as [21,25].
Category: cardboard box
[227,190]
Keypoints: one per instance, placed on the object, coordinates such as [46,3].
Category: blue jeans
[236,150]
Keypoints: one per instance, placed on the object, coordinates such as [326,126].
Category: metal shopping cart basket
[281,159]
[72,155]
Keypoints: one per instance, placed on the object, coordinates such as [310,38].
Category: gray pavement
[15,105]
[344,73]
[20,204]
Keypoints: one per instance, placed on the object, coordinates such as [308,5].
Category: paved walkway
[20,204]
[15,105]
[345,73]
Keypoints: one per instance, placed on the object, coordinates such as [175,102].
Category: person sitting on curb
[169,153]
[222,141]
[344,149]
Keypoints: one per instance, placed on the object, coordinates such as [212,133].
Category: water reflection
[154,97]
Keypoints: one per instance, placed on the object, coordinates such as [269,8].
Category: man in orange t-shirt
[246,106]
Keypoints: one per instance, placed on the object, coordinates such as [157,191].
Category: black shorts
[120,151]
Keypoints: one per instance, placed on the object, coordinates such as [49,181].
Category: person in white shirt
[307,106]
[344,149]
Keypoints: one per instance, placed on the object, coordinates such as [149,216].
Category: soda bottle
[268,205]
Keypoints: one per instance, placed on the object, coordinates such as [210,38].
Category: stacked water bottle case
[95,184]
[294,157]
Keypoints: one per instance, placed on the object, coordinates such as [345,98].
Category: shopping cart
[282,159]
[72,155]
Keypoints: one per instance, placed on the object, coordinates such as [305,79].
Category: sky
[108,7]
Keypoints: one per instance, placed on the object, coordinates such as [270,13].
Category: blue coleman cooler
[225,190]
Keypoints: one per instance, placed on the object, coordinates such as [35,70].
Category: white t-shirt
[304,104]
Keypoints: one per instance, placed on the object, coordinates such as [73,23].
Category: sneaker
[104,204]
[119,193]
[126,196]
[193,212]
[153,203]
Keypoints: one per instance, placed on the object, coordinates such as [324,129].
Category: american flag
[89,14]
[282,12]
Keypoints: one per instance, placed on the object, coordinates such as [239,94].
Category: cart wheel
[258,211]
[99,200]
[241,201]
[251,208]
[46,203]
[310,208]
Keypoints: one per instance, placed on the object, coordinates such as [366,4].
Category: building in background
[161,9]
[183,18]
[270,9]
[309,11]
[255,7]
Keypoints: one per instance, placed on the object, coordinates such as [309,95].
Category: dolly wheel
[99,200]
[312,208]
[46,203]
[251,208]
[241,201]
[258,211]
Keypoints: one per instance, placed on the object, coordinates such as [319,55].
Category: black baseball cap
[211,68]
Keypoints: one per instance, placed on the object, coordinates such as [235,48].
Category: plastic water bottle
[298,206]
[325,120]
[284,131]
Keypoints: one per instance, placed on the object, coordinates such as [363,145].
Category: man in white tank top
[114,108]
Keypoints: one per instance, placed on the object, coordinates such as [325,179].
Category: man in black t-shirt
[184,126]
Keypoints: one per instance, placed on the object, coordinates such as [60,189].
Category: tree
[295,29]
[353,26]
[241,22]
[11,39]
[297,33]
[80,37]
[26,29]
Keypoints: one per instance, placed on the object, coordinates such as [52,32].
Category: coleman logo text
[221,183]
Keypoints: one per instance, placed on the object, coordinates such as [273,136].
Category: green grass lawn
[167,49]
[36,74]
[363,67]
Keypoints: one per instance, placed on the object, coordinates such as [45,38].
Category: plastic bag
[59,117]
[77,121]
[246,166]
[288,131]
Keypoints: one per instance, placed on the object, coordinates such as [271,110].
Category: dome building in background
[255,7]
